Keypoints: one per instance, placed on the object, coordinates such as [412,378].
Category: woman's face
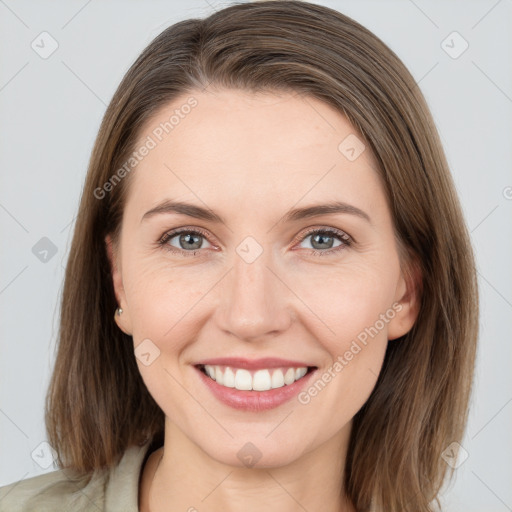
[262,290]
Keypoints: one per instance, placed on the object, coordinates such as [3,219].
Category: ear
[123,320]
[408,296]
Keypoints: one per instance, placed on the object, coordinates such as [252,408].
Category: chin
[256,452]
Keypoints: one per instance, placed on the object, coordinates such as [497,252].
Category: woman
[269,212]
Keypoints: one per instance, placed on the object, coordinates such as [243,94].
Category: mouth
[263,379]
[254,389]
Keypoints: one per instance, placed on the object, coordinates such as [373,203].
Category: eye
[322,241]
[187,241]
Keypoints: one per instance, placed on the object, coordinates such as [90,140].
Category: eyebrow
[167,207]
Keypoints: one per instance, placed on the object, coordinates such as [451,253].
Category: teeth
[289,376]
[243,380]
[219,376]
[261,380]
[229,378]
[277,379]
[300,372]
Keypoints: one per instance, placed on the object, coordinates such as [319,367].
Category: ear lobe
[123,320]
[409,299]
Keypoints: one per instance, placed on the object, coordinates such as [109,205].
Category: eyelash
[343,237]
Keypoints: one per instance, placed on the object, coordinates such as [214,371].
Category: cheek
[160,296]
[353,335]
[161,302]
[344,301]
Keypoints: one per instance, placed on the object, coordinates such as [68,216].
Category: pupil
[188,239]
[321,237]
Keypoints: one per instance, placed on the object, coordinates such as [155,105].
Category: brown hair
[97,404]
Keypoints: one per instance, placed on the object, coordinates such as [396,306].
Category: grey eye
[188,240]
[322,240]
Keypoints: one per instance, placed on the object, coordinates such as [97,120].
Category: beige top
[113,490]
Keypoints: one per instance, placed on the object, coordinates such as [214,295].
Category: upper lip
[253,364]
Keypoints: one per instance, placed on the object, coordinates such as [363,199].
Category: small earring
[119,311]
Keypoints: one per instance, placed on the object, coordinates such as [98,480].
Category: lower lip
[255,400]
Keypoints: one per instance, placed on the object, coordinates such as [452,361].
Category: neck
[185,476]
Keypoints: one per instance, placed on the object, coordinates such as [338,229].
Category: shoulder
[53,491]
[61,491]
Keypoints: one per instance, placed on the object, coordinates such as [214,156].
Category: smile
[254,385]
[257,380]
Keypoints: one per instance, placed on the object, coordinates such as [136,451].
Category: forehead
[238,147]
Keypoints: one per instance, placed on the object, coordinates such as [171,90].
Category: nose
[255,302]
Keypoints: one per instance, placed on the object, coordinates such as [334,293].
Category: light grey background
[50,111]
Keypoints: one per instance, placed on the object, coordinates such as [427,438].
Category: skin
[250,158]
